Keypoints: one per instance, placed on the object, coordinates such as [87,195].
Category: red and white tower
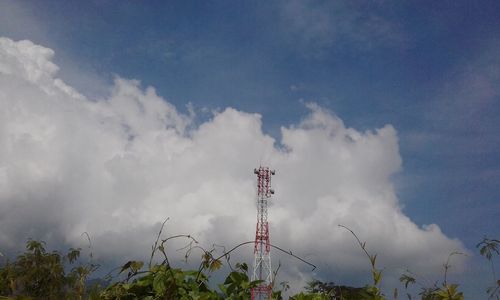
[262,248]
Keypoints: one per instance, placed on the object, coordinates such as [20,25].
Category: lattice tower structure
[262,247]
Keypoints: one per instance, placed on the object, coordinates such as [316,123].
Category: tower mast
[262,258]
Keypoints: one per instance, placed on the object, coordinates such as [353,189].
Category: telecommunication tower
[262,247]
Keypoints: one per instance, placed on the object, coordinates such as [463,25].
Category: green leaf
[126,266]
[377,276]
[73,254]
[160,283]
[373,259]
[136,265]
[243,267]
[407,280]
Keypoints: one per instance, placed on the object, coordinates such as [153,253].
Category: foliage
[445,291]
[488,248]
[371,291]
[41,274]
[329,290]
[164,282]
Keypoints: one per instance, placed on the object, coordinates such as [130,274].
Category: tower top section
[264,189]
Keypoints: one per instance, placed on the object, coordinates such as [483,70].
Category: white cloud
[316,26]
[34,65]
[116,167]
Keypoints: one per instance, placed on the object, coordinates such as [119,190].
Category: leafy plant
[329,290]
[488,248]
[371,291]
[40,274]
[445,291]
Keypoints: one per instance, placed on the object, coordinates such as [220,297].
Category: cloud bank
[118,166]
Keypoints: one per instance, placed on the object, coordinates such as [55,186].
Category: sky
[380,115]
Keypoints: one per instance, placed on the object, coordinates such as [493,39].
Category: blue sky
[431,69]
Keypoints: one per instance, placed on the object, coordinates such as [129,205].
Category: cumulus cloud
[116,167]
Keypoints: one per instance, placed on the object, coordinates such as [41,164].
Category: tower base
[261,292]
